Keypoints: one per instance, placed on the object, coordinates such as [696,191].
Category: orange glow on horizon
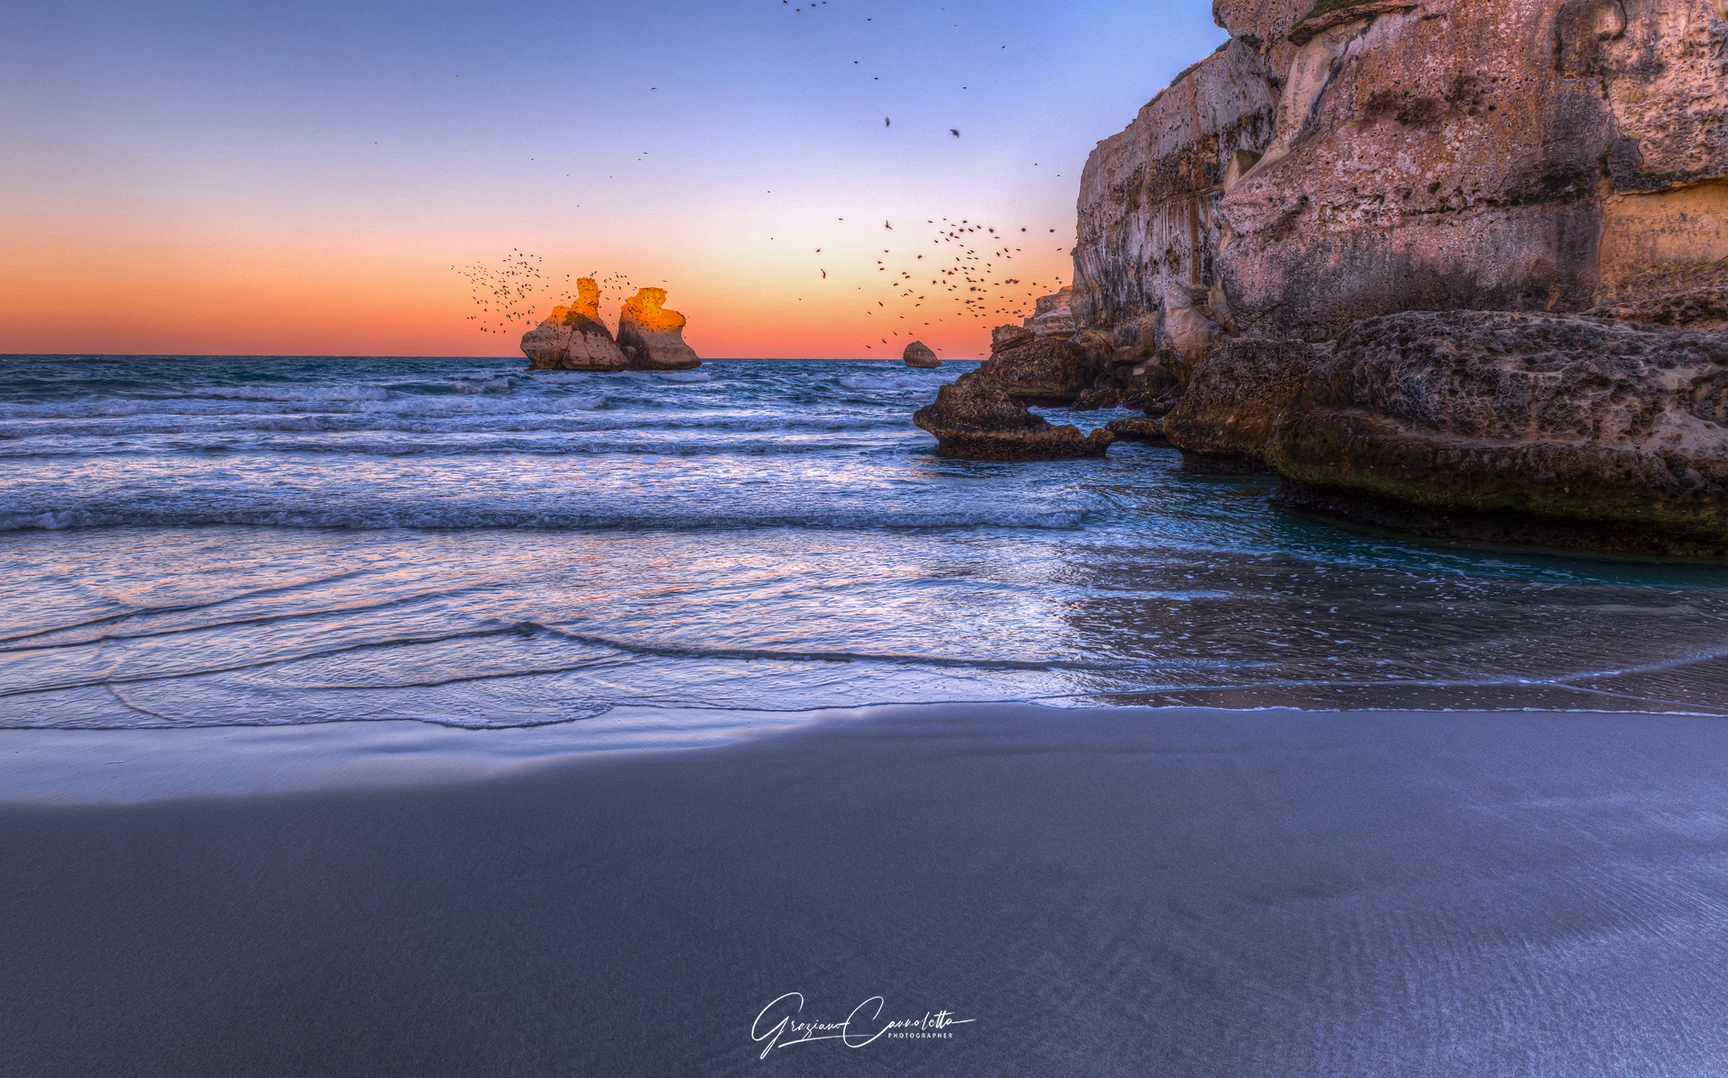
[115,287]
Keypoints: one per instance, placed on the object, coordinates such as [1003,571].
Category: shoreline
[1179,892]
[44,767]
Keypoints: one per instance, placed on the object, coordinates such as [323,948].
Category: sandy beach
[1126,891]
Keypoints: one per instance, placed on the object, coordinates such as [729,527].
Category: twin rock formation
[650,338]
[1457,267]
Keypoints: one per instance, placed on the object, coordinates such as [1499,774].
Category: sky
[354,178]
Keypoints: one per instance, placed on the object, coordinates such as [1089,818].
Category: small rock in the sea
[975,420]
[919,354]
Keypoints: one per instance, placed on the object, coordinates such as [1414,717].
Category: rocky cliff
[1285,207]
[1349,159]
[1454,266]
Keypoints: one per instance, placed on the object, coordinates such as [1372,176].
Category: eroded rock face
[919,354]
[1148,212]
[573,338]
[1341,162]
[974,419]
[1039,370]
[1552,428]
[1234,400]
[1351,158]
[1694,308]
[1052,315]
[652,336]
[1147,430]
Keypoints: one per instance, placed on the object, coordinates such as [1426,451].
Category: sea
[210,542]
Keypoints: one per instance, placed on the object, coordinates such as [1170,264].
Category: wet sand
[1110,892]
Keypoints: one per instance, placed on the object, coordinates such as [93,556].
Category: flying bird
[955,131]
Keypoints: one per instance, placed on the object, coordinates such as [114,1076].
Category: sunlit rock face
[1352,158]
[651,336]
[573,338]
[919,354]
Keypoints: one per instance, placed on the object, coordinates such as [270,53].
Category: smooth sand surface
[1113,892]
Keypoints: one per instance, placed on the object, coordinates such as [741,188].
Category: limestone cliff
[1052,315]
[1360,157]
[1446,265]
[1148,226]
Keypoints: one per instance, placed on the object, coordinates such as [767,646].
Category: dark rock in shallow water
[976,420]
[1094,399]
[919,354]
[1148,430]
[1558,429]
[1040,370]
[1234,400]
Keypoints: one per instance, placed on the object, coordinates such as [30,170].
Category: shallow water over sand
[219,542]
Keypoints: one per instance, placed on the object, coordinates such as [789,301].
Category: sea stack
[918,354]
[573,338]
[651,336]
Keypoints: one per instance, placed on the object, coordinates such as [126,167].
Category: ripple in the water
[219,541]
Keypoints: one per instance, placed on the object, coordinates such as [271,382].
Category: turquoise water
[244,541]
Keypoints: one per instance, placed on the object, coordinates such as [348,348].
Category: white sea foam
[908,379]
[259,512]
[298,394]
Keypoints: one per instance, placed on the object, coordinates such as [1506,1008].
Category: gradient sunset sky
[309,178]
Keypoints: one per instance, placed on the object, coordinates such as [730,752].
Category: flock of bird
[516,294]
[968,276]
[511,293]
